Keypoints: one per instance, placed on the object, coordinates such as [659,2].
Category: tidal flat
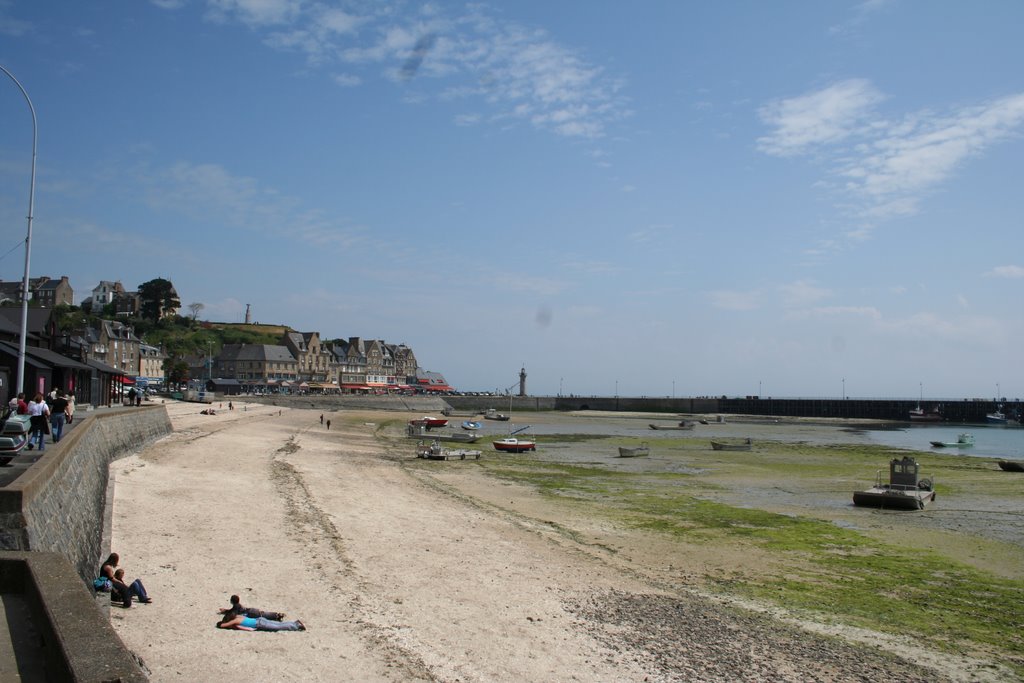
[775,527]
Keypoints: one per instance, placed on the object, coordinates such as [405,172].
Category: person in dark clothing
[58,415]
[237,609]
[119,590]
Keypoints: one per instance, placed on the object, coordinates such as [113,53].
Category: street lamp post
[28,238]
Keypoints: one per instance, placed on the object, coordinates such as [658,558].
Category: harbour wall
[54,519]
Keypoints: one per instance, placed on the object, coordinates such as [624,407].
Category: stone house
[313,359]
[256,364]
[151,363]
[114,344]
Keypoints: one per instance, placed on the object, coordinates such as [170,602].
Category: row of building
[299,362]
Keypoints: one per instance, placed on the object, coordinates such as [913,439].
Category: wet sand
[403,572]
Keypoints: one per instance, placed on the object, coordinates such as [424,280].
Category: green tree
[157,298]
[176,371]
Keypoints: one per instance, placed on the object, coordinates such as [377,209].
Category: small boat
[14,431]
[996,418]
[906,490]
[434,451]
[472,425]
[492,414]
[458,437]
[962,440]
[429,422]
[1011,465]
[732,445]
[513,445]
[636,452]
[683,425]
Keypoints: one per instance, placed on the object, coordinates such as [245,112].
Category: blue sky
[796,198]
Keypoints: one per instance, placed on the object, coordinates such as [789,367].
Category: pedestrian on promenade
[22,407]
[71,408]
[39,412]
[58,414]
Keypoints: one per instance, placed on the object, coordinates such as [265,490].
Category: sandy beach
[407,570]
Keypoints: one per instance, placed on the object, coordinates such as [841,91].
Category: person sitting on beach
[136,590]
[123,591]
[243,623]
[237,608]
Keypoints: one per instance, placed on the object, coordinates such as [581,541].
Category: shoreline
[404,570]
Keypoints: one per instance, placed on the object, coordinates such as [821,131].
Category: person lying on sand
[237,609]
[242,623]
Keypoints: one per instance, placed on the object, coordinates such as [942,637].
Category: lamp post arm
[28,237]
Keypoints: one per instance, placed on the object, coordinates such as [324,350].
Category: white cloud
[9,26]
[169,4]
[827,116]
[520,73]
[1010,272]
[886,167]
[467,119]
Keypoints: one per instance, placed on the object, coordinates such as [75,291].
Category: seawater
[990,441]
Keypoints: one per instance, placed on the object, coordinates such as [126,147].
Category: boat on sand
[1011,466]
[906,489]
[683,425]
[434,451]
[743,445]
[635,452]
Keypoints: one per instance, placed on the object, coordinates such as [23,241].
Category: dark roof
[103,367]
[258,352]
[50,358]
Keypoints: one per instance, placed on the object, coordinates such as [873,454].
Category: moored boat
[683,425]
[429,422]
[434,451]
[1011,466]
[906,489]
[743,445]
[459,437]
[635,452]
[962,441]
[492,414]
[472,425]
[919,414]
[998,417]
[512,444]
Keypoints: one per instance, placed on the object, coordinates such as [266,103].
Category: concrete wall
[57,504]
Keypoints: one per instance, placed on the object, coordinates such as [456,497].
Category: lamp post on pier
[28,239]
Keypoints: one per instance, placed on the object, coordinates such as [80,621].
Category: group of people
[238,617]
[48,415]
[111,580]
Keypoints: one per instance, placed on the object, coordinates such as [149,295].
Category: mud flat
[568,565]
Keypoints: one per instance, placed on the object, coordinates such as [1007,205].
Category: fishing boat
[683,425]
[511,444]
[492,414]
[472,425]
[962,441]
[743,445]
[1011,466]
[434,451]
[635,452]
[14,431]
[919,414]
[996,418]
[906,489]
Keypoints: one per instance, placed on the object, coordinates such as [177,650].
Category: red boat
[514,445]
[429,422]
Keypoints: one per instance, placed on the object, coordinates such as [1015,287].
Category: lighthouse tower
[248,315]
[522,381]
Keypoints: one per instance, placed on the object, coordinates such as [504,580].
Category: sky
[663,198]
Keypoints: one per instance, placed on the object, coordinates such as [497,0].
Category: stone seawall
[57,504]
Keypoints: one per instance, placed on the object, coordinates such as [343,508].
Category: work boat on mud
[906,490]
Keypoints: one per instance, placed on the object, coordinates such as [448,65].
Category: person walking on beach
[58,413]
[39,412]
[328,425]
[321,418]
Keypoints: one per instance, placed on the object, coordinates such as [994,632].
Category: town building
[46,292]
[151,364]
[313,359]
[265,366]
